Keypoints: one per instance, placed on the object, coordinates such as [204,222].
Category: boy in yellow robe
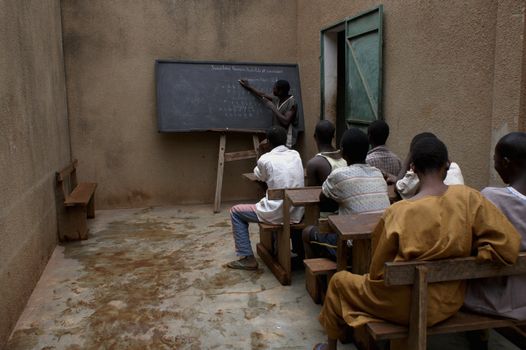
[440,222]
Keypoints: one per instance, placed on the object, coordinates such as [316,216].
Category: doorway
[351,71]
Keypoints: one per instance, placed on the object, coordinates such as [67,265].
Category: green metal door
[363,102]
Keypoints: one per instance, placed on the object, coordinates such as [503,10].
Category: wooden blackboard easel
[224,157]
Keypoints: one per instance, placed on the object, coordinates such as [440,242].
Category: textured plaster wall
[454,70]
[110,49]
[508,83]
[34,143]
[446,70]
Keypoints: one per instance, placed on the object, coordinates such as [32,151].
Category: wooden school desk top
[304,196]
[250,176]
[355,226]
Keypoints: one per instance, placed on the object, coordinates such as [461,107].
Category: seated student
[280,168]
[328,158]
[505,296]
[408,184]
[415,229]
[283,106]
[379,156]
[357,188]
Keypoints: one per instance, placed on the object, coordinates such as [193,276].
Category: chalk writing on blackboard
[194,96]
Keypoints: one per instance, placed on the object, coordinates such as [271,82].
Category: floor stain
[154,279]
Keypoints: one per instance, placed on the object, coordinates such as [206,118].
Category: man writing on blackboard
[284,107]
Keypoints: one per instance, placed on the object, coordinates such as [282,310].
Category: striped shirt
[358,188]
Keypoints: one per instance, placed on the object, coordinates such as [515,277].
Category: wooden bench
[279,262]
[78,204]
[419,274]
[318,272]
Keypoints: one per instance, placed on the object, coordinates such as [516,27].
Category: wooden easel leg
[220,168]
[255,141]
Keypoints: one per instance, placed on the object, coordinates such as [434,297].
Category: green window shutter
[363,101]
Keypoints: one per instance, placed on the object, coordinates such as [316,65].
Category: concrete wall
[34,143]
[453,70]
[110,49]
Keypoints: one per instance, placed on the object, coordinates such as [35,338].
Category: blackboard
[202,96]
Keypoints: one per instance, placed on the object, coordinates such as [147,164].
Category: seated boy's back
[505,296]
[357,188]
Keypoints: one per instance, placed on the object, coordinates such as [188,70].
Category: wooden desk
[357,227]
[250,176]
[309,197]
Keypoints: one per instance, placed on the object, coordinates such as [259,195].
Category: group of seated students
[438,218]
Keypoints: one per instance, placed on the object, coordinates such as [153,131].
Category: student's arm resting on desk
[244,83]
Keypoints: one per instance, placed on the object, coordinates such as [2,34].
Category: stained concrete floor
[153,279]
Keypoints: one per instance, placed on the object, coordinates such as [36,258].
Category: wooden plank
[64,173]
[232,156]
[91,207]
[418,317]
[283,242]
[250,176]
[81,195]
[279,193]
[304,196]
[313,286]
[265,238]
[275,194]
[220,169]
[460,322]
[341,254]
[255,143]
[276,227]
[323,226]
[274,267]
[361,256]
[403,273]
[320,266]
[354,226]
[72,224]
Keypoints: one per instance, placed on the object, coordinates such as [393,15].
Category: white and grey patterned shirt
[358,188]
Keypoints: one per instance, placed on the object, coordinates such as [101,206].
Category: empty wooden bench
[78,204]
[419,274]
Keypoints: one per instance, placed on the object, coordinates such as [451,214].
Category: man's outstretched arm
[244,83]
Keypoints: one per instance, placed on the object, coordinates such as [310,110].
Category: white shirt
[280,168]
[409,185]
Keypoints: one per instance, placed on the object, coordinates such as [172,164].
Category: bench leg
[418,317]
[73,224]
[313,285]
[91,207]
[265,238]
[283,241]
[361,256]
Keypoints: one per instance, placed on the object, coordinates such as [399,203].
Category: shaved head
[513,147]
[324,132]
